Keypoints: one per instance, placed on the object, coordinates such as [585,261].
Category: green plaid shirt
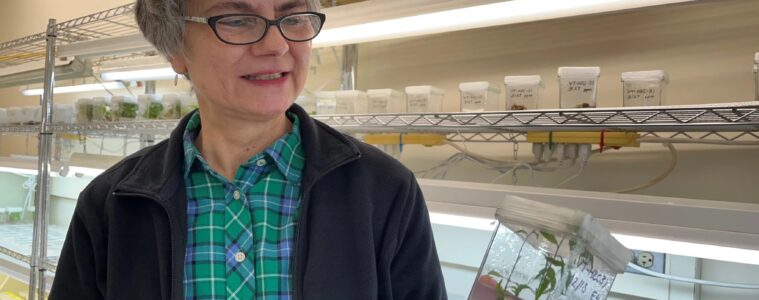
[240,234]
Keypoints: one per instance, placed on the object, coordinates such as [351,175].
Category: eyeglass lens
[248,29]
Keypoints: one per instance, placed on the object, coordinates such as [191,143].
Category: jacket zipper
[172,293]
[298,235]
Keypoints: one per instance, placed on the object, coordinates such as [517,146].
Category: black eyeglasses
[244,29]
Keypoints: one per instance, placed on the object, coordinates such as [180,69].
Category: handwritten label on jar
[526,93]
[581,86]
[417,102]
[642,95]
[345,107]
[590,284]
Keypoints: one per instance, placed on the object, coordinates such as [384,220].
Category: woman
[249,198]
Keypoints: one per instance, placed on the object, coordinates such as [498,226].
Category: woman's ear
[179,64]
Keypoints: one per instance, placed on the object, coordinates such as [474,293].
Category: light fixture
[502,13]
[147,74]
[76,88]
[744,256]
[107,46]
[462,221]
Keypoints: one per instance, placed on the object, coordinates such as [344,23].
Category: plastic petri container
[386,101]
[307,102]
[756,76]
[125,108]
[578,86]
[84,110]
[188,102]
[643,88]
[522,92]
[351,102]
[541,251]
[326,104]
[100,108]
[171,107]
[424,99]
[153,107]
[480,96]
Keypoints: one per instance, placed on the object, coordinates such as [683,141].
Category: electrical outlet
[645,259]
[653,261]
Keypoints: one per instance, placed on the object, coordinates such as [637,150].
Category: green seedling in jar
[154,111]
[129,110]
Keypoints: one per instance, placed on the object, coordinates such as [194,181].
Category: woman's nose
[272,44]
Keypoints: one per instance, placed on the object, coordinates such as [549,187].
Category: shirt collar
[286,152]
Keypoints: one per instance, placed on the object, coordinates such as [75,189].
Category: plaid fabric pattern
[241,233]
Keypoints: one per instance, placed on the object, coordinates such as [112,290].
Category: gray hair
[162,25]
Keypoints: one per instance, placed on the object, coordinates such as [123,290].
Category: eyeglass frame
[211,22]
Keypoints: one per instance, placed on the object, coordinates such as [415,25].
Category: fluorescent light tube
[151,74]
[76,88]
[462,221]
[744,256]
[502,13]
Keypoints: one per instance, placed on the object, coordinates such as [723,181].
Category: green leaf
[519,288]
[495,274]
[541,289]
[501,293]
[551,276]
[540,274]
[572,244]
[549,236]
[554,261]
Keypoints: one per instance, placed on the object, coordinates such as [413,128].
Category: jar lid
[424,89]
[388,93]
[579,71]
[652,75]
[523,80]
[478,86]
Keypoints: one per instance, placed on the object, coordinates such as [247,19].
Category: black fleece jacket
[363,233]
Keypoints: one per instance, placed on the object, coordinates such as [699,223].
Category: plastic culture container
[522,92]
[351,102]
[63,113]
[31,114]
[326,104]
[4,116]
[15,115]
[424,99]
[307,102]
[386,101]
[171,107]
[643,88]
[188,102]
[100,108]
[578,86]
[153,108]
[480,96]
[84,110]
[124,108]
[756,76]
[540,251]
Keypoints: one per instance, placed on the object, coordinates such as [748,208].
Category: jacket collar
[158,172]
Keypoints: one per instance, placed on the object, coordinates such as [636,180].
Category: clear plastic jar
[578,86]
[100,108]
[124,108]
[172,108]
[386,101]
[188,102]
[351,102]
[84,108]
[15,115]
[541,252]
[424,99]
[643,88]
[522,92]
[4,116]
[325,103]
[63,113]
[307,102]
[480,96]
[151,107]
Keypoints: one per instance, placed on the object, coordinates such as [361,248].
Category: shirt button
[239,256]
[236,195]
[261,162]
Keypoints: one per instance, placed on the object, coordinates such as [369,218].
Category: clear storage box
[643,88]
[63,113]
[541,251]
[15,115]
[351,102]
[756,76]
[424,99]
[124,108]
[307,102]
[522,92]
[4,116]
[386,101]
[325,103]
[153,108]
[578,86]
[189,103]
[172,108]
[31,115]
[480,96]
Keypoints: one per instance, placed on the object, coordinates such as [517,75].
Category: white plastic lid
[756,57]
[148,98]
[100,100]
[188,99]
[653,75]
[124,99]
[170,98]
[603,245]
[424,89]
[350,94]
[478,86]
[579,71]
[523,80]
[388,93]
[325,94]
[84,101]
